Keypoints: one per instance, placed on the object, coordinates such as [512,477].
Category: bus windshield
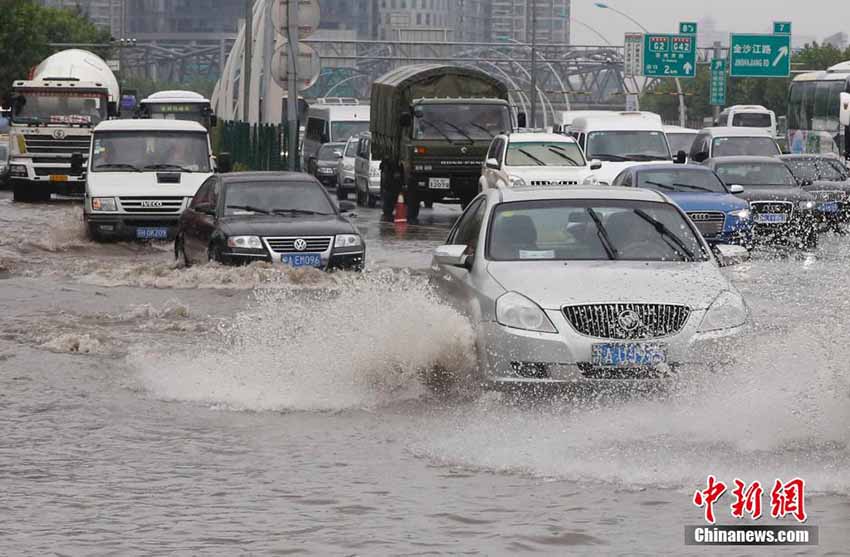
[813,110]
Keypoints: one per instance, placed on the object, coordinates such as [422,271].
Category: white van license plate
[151,233]
[439,183]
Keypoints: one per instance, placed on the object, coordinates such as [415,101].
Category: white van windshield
[150,151]
[343,131]
[631,145]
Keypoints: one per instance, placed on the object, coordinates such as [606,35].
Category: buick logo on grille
[151,204]
[701,216]
[300,244]
[629,320]
[59,134]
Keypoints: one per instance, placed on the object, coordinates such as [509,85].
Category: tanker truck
[431,127]
[53,114]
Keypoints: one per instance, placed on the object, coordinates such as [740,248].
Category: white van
[367,173]
[748,116]
[331,120]
[565,118]
[629,139]
[141,175]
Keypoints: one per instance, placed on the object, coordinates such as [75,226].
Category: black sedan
[279,217]
[827,179]
[781,209]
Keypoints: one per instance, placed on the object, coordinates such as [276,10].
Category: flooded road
[151,410]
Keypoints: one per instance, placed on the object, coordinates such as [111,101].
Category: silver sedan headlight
[516,311]
[726,312]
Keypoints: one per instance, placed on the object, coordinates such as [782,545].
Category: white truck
[53,113]
[142,174]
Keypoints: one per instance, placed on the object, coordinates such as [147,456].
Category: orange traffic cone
[400,210]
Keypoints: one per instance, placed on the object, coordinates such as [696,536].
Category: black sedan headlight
[245,242]
[348,241]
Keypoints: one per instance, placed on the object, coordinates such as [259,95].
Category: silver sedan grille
[627,321]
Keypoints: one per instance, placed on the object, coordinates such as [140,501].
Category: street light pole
[533,119]
[682,108]
[246,63]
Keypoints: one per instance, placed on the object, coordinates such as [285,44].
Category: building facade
[519,20]
[107,14]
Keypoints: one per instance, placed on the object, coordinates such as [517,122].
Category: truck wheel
[371,200]
[93,233]
[389,191]
[411,198]
[21,193]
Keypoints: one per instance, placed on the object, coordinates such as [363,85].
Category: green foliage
[26,31]
[771,93]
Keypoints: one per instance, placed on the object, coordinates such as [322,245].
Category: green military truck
[431,127]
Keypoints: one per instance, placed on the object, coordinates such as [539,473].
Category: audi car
[284,218]
[588,284]
[718,214]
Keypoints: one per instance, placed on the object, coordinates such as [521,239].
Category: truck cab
[141,175]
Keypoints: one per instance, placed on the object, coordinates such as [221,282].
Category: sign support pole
[292,82]
[533,119]
[716,109]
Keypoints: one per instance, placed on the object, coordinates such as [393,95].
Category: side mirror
[844,111]
[206,209]
[728,254]
[702,156]
[595,164]
[735,188]
[338,154]
[405,120]
[452,255]
[521,120]
[77,163]
[224,163]
[681,158]
[346,206]
[492,163]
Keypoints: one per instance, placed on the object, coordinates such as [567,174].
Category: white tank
[81,65]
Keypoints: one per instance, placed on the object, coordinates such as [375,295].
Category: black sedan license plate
[302,259]
[628,354]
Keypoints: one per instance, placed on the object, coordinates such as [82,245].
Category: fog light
[531,370]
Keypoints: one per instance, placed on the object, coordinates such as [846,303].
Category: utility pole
[292,82]
[533,119]
[246,63]
[717,52]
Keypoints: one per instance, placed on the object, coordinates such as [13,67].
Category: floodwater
[151,410]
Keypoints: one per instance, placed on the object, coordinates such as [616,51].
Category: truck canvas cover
[395,92]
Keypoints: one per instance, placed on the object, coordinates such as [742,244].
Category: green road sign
[688,28]
[760,55]
[781,27]
[718,83]
[669,56]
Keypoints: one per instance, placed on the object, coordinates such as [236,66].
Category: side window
[580,140]
[216,192]
[469,226]
[700,145]
[314,129]
[624,179]
[204,193]
[491,152]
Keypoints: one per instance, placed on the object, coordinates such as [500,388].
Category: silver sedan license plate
[628,354]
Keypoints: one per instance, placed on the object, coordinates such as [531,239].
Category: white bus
[814,110]
[178,105]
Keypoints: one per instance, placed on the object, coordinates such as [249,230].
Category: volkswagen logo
[59,134]
[629,320]
[148,204]
[300,244]
[463,150]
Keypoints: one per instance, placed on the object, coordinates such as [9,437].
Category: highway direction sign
[633,58]
[759,55]
[669,56]
[718,82]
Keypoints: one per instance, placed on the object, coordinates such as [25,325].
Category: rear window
[755,174]
[751,120]
[746,146]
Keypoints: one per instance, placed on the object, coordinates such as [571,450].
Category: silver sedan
[586,284]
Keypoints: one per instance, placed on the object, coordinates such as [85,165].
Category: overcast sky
[813,19]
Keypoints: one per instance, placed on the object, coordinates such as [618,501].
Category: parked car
[720,216]
[781,209]
[679,138]
[711,143]
[826,178]
[4,162]
[278,217]
[325,165]
[574,284]
[535,159]
[367,173]
[345,169]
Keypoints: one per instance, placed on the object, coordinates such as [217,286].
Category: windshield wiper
[166,166]
[482,128]
[558,151]
[248,208]
[532,157]
[118,165]
[665,233]
[674,186]
[297,212]
[459,130]
[610,157]
[603,235]
[438,128]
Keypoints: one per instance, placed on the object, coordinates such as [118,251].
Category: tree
[26,31]
[770,93]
